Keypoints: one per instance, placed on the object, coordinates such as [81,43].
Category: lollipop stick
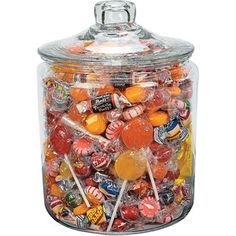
[77,181]
[67,121]
[148,151]
[117,205]
[152,181]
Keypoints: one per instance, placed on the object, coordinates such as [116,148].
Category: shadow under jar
[118,120]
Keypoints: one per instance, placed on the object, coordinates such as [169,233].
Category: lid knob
[115,12]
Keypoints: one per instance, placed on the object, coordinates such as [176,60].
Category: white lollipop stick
[67,121]
[77,181]
[151,175]
[117,205]
[152,181]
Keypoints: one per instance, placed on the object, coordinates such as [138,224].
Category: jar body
[90,119]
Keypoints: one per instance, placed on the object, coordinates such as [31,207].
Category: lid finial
[115,12]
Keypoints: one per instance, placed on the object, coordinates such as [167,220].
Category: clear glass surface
[118,126]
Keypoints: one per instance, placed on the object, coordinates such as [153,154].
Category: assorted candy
[118,154]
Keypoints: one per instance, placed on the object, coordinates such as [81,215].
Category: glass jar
[118,121]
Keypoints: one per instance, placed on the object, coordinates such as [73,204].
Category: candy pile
[118,151]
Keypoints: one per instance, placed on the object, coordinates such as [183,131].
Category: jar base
[147,229]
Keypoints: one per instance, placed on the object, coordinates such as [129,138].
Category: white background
[208,24]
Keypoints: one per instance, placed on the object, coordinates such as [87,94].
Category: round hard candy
[129,213]
[137,133]
[61,140]
[149,207]
[96,123]
[130,165]
[158,118]
[159,171]
[135,94]
[82,147]
[100,161]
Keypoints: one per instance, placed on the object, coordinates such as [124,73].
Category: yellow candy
[96,123]
[57,191]
[158,118]
[185,158]
[64,170]
[130,165]
[135,94]
[179,181]
[96,215]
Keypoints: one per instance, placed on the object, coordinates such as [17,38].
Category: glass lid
[116,40]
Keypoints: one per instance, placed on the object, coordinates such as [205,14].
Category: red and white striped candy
[133,112]
[56,205]
[114,129]
[149,207]
[100,161]
[94,194]
[82,147]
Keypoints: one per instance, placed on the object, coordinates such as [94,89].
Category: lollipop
[129,166]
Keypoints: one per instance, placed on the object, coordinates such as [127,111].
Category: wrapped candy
[73,199]
[101,103]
